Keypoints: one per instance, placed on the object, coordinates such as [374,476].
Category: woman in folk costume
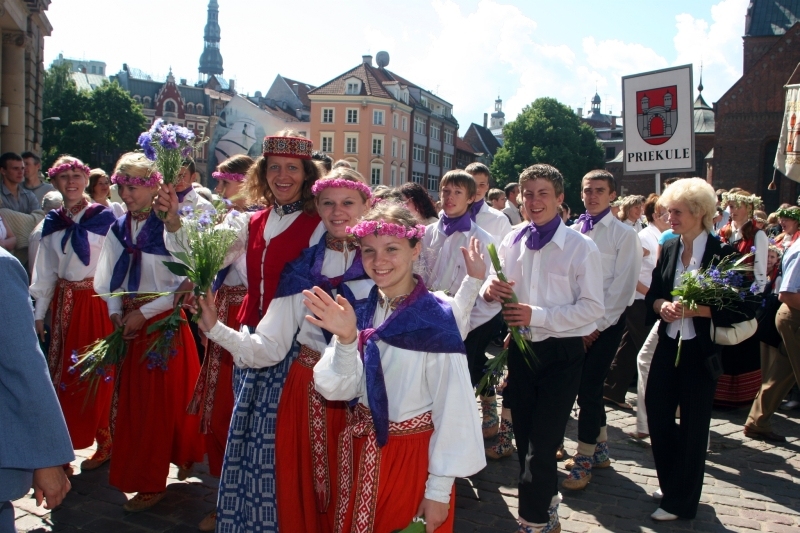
[741,364]
[213,394]
[269,239]
[307,426]
[65,264]
[400,353]
[149,422]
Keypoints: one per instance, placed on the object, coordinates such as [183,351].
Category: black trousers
[679,449]
[623,368]
[541,395]
[592,415]
[476,343]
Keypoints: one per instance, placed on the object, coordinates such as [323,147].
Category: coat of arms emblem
[657,114]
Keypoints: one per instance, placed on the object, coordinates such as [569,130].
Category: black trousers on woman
[679,449]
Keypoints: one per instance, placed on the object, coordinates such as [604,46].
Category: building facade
[389,129]
[86,66]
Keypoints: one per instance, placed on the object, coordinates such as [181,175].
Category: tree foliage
[96,126]
[548,132]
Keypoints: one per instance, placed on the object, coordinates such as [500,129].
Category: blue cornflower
[754,288]
[187,210]
[234,213]
[62,386]
[742,295]
[169,334]
[714,273]
[107,378]
[72,369]
[752,249]
[204,220]
[74,357]
[168,140]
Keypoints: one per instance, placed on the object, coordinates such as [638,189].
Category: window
[352,116]
[394,147]
[377,117]
[353,87]
[419,125]
[190,125]
[405,123]
[436,131]
[419,153]
[201,127]
[327,143]
[394,120]
[433,183]
[394,173]
[403,153]
[402,175]
[447,161]
[448,136]
[146,102]
[433,157]
[190,107]
[351,144]
[418,177]
[199,109]
[375,176]
[377,146]
[137,99]
[169,106]
[610,153]
[327,115]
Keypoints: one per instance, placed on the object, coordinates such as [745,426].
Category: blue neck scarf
[539,236]
[97,219]
[150,240]
[422,323]
[475,208]
[588,221]
[452,225]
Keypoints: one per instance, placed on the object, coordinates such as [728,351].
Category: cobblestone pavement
[749,486]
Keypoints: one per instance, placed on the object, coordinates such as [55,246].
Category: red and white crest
[657,114]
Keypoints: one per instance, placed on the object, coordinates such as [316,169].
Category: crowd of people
[330,377]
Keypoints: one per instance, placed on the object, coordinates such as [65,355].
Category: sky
[468,52]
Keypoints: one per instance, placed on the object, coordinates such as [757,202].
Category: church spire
[211,58]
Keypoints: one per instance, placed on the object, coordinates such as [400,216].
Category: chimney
[232,85]
[183,81]
[367,59]
[580,112]
[296,89]
[613,122]
[485,119]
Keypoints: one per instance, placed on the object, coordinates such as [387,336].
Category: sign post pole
[658,183]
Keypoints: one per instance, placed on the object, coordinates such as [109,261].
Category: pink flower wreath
[381,227]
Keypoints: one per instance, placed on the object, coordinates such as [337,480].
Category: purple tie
[452,225]
[539,236]
[588,221]
[182,194]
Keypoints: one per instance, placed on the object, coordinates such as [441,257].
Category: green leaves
[179,269]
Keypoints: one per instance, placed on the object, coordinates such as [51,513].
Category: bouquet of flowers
[496,367]
[97,359]
[162,349]
[203,250]
[720,285]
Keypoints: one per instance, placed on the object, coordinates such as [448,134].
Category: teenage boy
[444,270]
[187,196]
[553,272]
[621,259]
[512,207]
[494,222]
[33,176]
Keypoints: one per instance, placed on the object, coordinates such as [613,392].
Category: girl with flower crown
[72,237]
[400,353]
[149,422]
[789,218]
[741,364]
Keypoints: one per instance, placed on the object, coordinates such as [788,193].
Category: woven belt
[308,357]
[132,303]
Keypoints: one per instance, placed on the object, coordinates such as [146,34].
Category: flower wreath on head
[123,179]
[339,183]
[381,227]
[230,176]
[792,213]
[736,199]
[65,167]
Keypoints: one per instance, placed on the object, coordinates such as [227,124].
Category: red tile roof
[464,146]
[302,89]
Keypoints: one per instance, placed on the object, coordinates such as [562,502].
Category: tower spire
[700,87]
[211,58]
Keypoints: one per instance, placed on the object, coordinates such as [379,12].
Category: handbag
[735,334]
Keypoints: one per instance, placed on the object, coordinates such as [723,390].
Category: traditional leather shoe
[504,446]
[580,473]
[209,523]
[662,516]
[768,436]
[143,501]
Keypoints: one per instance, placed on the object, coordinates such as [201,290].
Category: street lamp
[51,118]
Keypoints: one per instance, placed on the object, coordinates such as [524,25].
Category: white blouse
[416,382]
[51,264]
[685,326]
[155,277]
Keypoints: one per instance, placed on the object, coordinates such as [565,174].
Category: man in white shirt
[187,196]
[559,288]
[492,221]
[621,261]
[512,207]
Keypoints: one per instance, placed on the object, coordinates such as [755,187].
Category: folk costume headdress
[70,165]
[789,212]
[737,199]
[297,147]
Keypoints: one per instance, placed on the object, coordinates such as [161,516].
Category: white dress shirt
[685,326]
[561,282]
[443,267]
[648,237]
[195,201]
[416,382]
[621,253]
[155,277]
[51,264]
[761,242]
[512,212]
[493,222]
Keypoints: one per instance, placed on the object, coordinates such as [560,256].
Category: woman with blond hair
[630,211]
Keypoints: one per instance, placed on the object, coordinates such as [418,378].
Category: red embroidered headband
[228,176]
[64,167]
[381,227]
[296,147]
[340,183]
[123,179]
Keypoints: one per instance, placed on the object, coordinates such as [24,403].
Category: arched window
[146,102]
[190,107]
[169,106]
[137,99]
[199,109]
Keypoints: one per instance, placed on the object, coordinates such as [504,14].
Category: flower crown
[228,176]
[64,167]
[737,199]
[783,212]
[381,227]
[339,183]
[123,179]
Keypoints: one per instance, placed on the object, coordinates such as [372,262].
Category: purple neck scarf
[475,208]
[150,240]
[422,323]
[539,236]
[588,221]
[182,194]
[97,219]
[452,225]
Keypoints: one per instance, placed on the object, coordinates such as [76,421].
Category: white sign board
[658,115]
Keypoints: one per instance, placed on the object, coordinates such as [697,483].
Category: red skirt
[213,393]
[306,435]
[402,470]
[79,319]
[151,428]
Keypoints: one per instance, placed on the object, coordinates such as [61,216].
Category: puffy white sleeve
[45,276]
[272,340]
[339,374]
[463,302]
[761,242]
[111,251]
[456,446]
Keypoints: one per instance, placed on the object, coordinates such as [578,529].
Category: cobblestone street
[749,486]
